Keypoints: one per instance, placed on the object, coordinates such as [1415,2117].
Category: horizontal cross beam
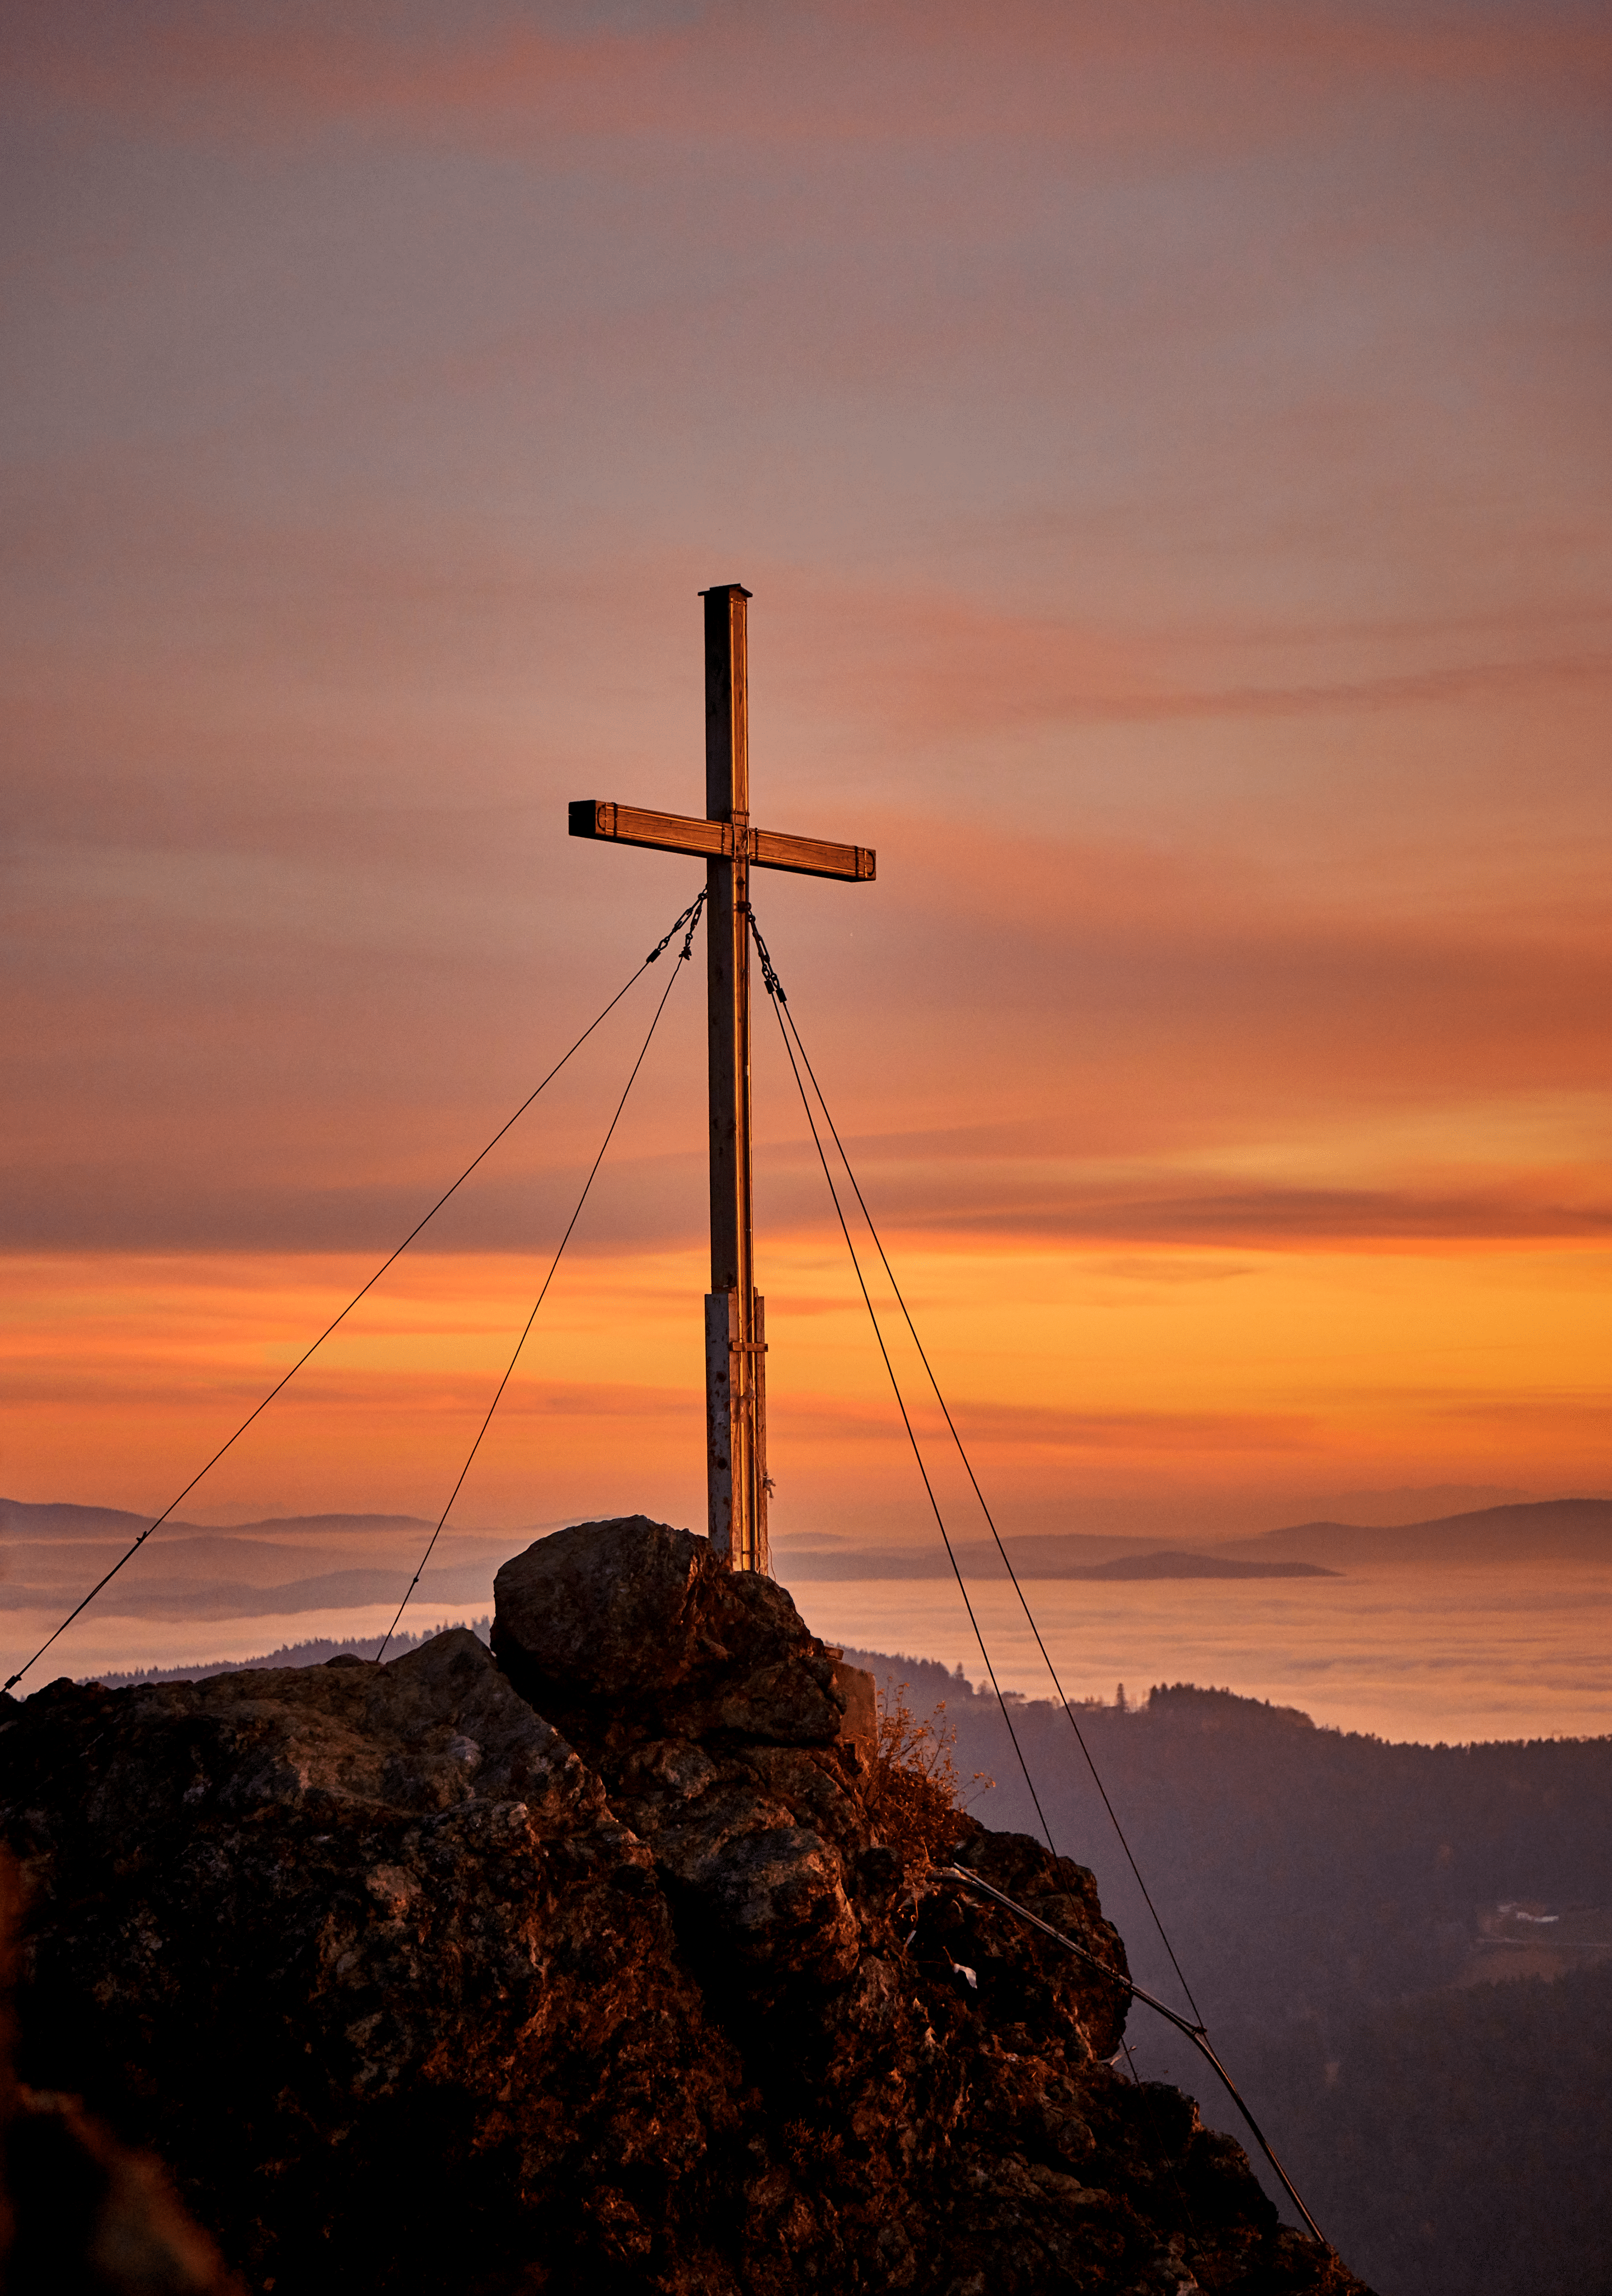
[720,840]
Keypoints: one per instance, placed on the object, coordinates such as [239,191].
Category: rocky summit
[587,1964]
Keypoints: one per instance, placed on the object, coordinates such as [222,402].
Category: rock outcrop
[583,1964]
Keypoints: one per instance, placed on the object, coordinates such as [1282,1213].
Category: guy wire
[1196,2032]
[770,977]
[693,915]
[686,917]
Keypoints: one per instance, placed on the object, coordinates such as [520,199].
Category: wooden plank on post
[721,1418]
[811,856]
[665,832]
[761,1558]
[720,840]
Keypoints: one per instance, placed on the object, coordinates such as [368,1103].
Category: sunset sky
[1168,447]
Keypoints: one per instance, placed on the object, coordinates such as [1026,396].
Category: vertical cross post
[736,1326]
[735,1377]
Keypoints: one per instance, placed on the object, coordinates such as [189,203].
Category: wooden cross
[735,1341]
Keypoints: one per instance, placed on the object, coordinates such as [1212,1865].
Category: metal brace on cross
[736,1323]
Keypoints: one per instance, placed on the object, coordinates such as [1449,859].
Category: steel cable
[1195,2028]
[774,990]
[1196,2034]
[771,978]
[689,914]
[694,917]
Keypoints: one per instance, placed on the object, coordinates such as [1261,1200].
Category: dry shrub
[917,1793]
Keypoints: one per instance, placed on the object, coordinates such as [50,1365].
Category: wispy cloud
[826,69]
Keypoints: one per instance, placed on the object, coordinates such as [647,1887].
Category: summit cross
[736,1322]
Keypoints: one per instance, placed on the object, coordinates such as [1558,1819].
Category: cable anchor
[690,917]
[769,979]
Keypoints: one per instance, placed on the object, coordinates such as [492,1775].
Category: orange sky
[1168,448]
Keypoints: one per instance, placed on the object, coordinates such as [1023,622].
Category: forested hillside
[1335,1902]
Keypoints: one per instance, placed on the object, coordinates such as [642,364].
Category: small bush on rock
[916,1795]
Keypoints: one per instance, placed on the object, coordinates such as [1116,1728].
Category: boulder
[718,1722]
[630,1630]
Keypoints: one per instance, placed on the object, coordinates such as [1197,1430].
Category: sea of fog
[1455,1653]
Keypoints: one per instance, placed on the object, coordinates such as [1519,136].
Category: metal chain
[690,917]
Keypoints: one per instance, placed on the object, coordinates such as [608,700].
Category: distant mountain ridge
[1071,1554]
[202,1571]
[60,1519]
[1559,1530]
[1555,1531]
[1536,1530]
